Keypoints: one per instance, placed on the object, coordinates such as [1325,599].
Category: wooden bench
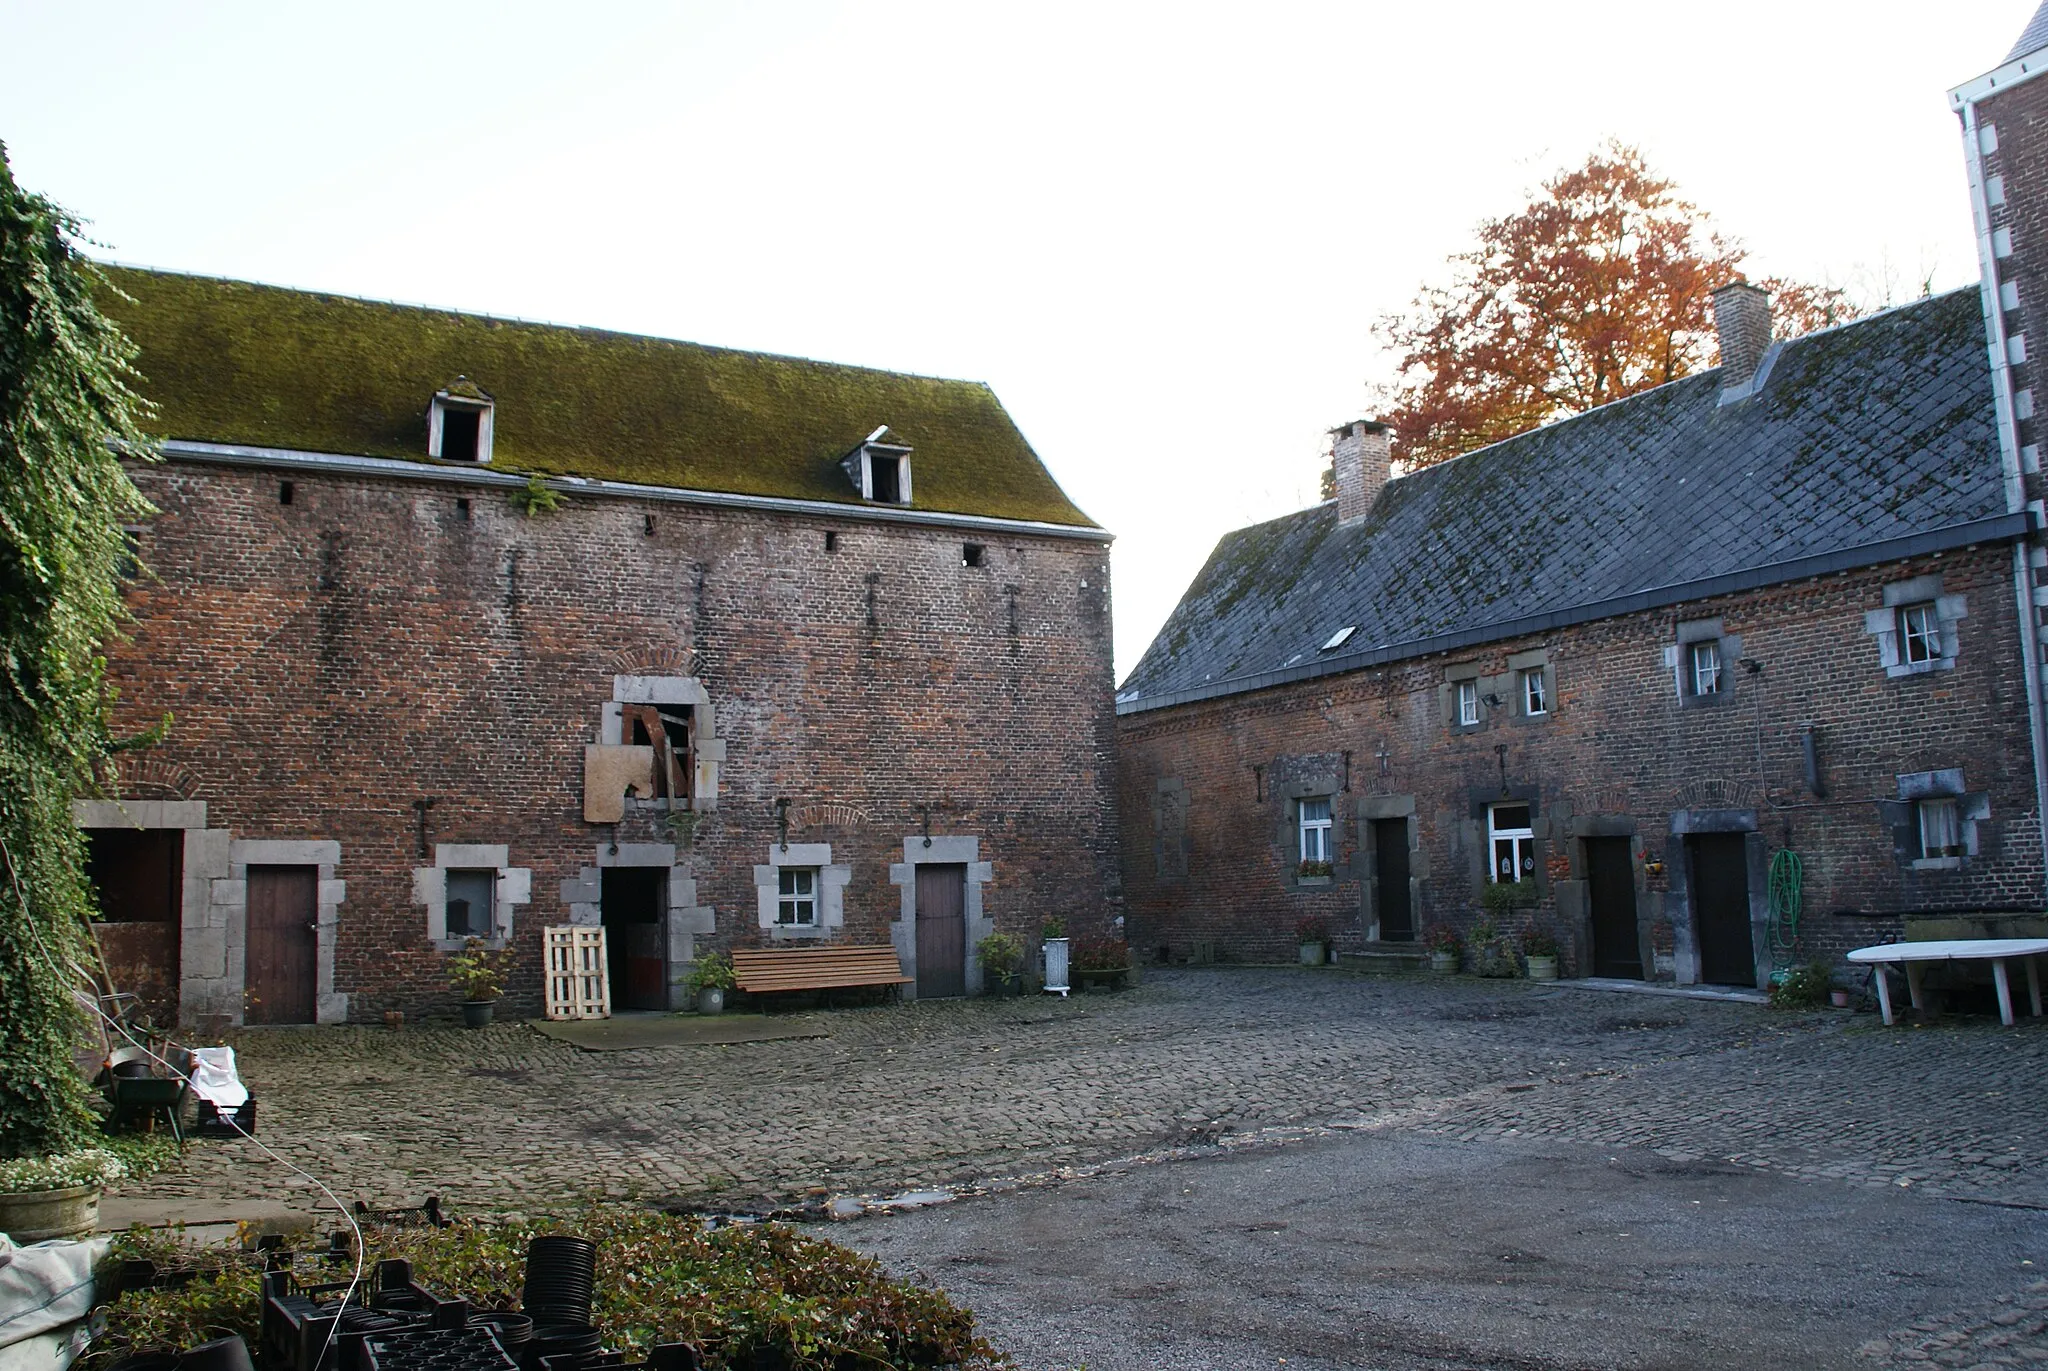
[1994,950]
[769,970]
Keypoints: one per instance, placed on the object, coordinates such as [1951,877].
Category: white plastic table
[1994,950]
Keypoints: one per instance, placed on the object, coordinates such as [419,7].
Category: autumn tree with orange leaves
[1599,288]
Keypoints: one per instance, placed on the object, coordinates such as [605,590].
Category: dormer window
[880,468]
[459,423]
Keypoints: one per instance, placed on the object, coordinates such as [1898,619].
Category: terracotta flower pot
[30,1216]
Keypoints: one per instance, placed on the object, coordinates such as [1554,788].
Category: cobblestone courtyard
[955,1093]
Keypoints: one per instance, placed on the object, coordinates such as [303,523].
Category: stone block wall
[1207,786]
[377,642]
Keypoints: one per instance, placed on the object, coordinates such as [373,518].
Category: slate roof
[234,363]
[2032,38]
[1861,436]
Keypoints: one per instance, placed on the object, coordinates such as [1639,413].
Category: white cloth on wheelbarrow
[214,1078]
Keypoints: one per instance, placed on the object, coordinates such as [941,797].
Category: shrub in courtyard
[1312,928]
[712,971]
[1804,987]
[746,1296]
[1442,938]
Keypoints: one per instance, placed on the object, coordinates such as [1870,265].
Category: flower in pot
[1444,947]
[1101,961]
[1313,934]
[1492,953]
[1540,951]
[55,1196]
[711,975]
[1498,898]
[1002,964]
[1313,870]
[478,975]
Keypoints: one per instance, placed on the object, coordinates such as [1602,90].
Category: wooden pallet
[764,970]
[574,974]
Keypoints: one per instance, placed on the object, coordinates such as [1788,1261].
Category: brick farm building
[467,627]
[1741,671]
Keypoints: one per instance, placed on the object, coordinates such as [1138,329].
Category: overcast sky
[1161,232]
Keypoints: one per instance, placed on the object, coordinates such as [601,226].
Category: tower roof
[2034,37]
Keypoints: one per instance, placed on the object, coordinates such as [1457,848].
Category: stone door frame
[1678,902]
[682,922]
[919,850]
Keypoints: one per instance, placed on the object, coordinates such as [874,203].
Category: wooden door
[941,931]
[281,961]
[1720,908]
[1390,846]
[1611,886]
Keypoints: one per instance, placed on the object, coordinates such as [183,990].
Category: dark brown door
[138,877]
[941,931]
[284,909]
[1390,845]
[1720,908]
[1611,885]
[633,943]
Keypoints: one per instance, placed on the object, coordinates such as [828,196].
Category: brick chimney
[1742,316]
[1362,452]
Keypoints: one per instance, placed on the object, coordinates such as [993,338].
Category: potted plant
[1492,954]
[57,1196]
[710,977]
[1101,962]
[1313,934]
[1539,951]
[1053,945]
[1313,872]
[478,975]
[1444,946]
[1002,964]
[1498,898]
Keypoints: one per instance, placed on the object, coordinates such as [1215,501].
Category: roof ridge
[526,322]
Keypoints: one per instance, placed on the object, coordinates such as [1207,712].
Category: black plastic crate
[308,1328]
[436,1349]
[209,1122]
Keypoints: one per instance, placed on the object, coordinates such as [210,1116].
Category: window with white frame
[1704,659]
[1534,698]
[1919,633]
[1315,830]
[1512,841]
[796,904]
[1468,702]
[1941,826]
[471,903]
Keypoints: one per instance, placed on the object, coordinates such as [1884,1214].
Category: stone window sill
[1937,864]
[782,932]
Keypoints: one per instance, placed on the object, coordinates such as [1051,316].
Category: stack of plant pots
[561,1275]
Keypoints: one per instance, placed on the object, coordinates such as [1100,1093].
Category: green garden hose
[1782,888]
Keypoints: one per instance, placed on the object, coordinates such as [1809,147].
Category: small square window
[1534,701]
[1941,827]
[1468,703]
[970,554]
[1706,667]
[797,897]
[470,900]
[831,541]
[1512,841]
[1919,633]
[1315,830]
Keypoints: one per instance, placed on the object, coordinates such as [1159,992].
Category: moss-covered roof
[232,362]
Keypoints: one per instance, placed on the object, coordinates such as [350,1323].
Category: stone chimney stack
[1742,316]
[1364,458]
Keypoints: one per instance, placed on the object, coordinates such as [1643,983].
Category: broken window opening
[284,492]
[831,542]
[883,475]
[667,729]
[459,432]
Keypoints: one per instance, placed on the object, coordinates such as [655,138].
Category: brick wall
[1618,752]
[330,661]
